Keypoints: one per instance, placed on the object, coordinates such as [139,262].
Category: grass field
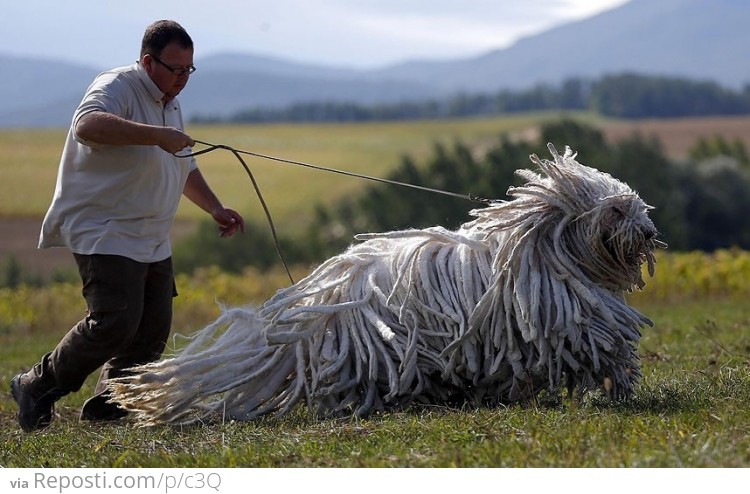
[692,408]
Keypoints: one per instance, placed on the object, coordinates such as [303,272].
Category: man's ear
[147,62]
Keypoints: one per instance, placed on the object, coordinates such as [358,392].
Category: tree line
[620,96]
[700,204]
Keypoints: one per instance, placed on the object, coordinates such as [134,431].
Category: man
[118,188]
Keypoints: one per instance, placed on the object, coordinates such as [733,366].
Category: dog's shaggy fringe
[527,298]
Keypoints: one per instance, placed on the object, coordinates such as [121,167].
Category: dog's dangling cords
[212,147]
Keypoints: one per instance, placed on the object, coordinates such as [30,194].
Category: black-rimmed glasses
[178,71]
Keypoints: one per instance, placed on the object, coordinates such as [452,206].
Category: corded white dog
[527,298]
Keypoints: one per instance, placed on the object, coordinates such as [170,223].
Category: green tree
[717,206]
[710,147]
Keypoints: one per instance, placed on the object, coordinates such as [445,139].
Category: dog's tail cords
[238,152]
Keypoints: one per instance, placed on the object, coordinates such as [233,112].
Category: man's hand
[229,221]
[174,140]
[198,191]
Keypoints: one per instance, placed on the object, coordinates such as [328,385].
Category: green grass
[692,409]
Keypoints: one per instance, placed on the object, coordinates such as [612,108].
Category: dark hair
[160,34]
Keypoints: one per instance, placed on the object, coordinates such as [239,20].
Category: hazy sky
[353,33]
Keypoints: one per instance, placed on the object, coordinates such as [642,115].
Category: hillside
[686,38]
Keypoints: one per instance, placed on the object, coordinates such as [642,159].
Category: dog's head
[599,227]
[610,232]
[621,238]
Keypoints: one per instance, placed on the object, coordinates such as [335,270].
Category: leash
[238,152]
[212,147]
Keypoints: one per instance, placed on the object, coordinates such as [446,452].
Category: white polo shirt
[118,199]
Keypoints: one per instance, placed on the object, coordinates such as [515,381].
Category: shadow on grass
[663,400]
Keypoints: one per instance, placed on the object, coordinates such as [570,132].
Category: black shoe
[35,408]
[99,408]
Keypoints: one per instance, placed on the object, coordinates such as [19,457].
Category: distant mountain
[247,62]
[225,91]
[38,92]
[698,39]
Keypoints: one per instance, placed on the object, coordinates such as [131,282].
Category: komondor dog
[527,298]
